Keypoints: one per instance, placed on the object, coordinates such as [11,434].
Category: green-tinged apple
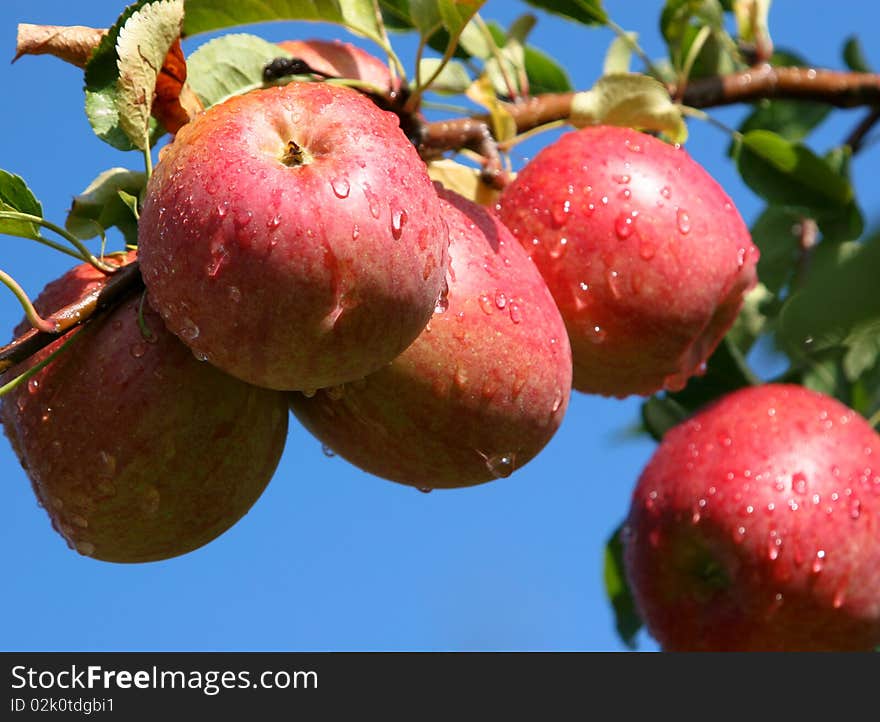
[483,388]
[342,60]
[645,254]
[755,527]
[137,450]
[292,237]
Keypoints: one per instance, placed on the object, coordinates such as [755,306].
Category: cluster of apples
[297,256]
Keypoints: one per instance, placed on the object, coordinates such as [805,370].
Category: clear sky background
[330,558]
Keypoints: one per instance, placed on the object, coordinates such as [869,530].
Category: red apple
[479,393]
[645,254]
[292,237]
[342,60]
[136,450]
[755,527]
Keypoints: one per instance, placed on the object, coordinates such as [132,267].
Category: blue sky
[330,558]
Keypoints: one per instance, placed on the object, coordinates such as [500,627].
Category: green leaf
[588,12]
[100,206]
[626,615]
[776,234]
[862,349]
[683,21]
[791,119]
[395,14]
[635,101]
[839,295]
[101,92]
[790,173]
[661,413]
[544,73]
[752,318]
[357,16]
[16,196]
[141,47]
[228,65]
[854,56]
[618,55]
[453,78]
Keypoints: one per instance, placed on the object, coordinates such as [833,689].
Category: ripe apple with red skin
[480,391]
[754,527]
[342,60]
[292,237]
[645,254]
[136,450]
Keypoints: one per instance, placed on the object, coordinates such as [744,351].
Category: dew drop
[234,294]
[515,313]
[684,221]
[355,232]
[623,179]
[274,222]
[137,350]
[799,483]
[200,355]
[839,597]
[500,299]
[425,489]
[647,250]
[308,393]
[341,187]
[598,334]
[855,508]
[623,225]
[665,192]
[398,220]
[33,385]
[501,465]
[327,451]
[818,562]
[560,214]
[107,463]
[188,330]
[486,303]
[223,209]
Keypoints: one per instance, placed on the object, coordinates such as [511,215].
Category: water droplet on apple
[683,220]
[200,355]
[855,508]
[424,489]
[340,187]
[234,294]
[557,401]
[188,330]
[33,385]
[623,179]
[308,393]
[486,303]
[398,220]
[515,312]
[372,200]
[623,224]
[559,214]
[799,483]
[501,465]
[78,520]
[327,451]
[613,280]
[818,562]
[647,250]
[137,350]
[500,299]
[598,334]
[665,192]
[839,596]
[274,222]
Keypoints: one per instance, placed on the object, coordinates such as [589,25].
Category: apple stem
[127,279]
[34,318]
[84,253]
[36,368]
